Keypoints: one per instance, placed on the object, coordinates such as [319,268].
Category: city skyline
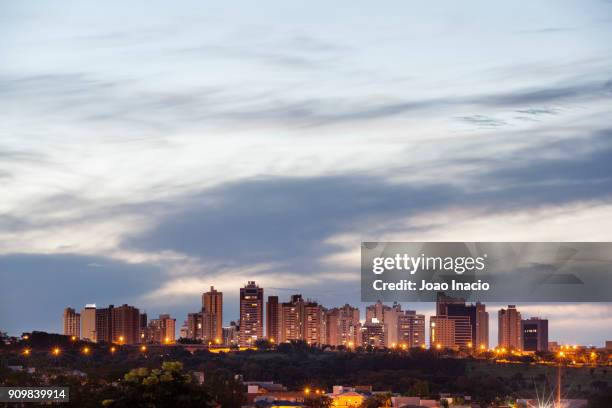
[470,323]
[149,152]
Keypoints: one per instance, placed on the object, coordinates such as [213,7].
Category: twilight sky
[150,150]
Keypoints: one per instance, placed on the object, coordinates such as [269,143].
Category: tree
[169,386]
[377,400]
[318,401]
[419,389]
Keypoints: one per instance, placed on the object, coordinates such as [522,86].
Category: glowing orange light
[113,349]
[561,354]
[26,337]
[482,347]
[26,352]
[438,346]
[143,348]
[306,390]
[56,351]
[86,350]
[73,338]
[121,339]
[469,344]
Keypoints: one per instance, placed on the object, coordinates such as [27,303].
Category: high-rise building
[373,333]
[183,331]
[535,334]
[291,319]
[349,326]
[88,323]
[509,324]
[302,320]
[273,321]
[72,322]
[231,334]
[376,311]
[442,332]
[312,323]
[343,327]
[251,313]
[162,330]
[482,327]
[126,324]
[144,324]
[470,323]
[390,319]
[194,326]
[212,315]
[411,329]
[332,327]
[104,325]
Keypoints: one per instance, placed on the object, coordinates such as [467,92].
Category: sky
[149,150]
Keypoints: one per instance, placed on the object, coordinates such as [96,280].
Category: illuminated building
[535,334]
[251,313]
[88,323]
[509,331]
[72,322]
[273,322]
[162,330]
[212,315]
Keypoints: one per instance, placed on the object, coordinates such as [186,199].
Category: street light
[113,349]
[73,338]
[26,352]
[85,350]
[56,351]
[143,348]
[121,339]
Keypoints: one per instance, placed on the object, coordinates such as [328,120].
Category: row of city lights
[56,351]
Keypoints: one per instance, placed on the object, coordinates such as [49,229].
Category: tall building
[343,327]
[442,332]
[373,333]
[273,321]
[72,322]
[183,331]
[231,334]
[411,329]
[467,323]
[144,323]
[194,326]
[376,311]
[312,323]
[126,325]
[104,324]
[390,319]
[88,323]
[291,319]
[509,324]
[162,330]
[251,313]
[212,316]
[535,334]
[481,340]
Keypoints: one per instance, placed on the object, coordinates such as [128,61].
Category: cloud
[538,111]
[87,99]
[482,121]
